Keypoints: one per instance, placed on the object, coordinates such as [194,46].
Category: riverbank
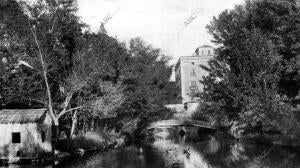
[274,140]
[271,137]
[255,135]
[91,142]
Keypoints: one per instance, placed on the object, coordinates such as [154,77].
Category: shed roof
[21,115]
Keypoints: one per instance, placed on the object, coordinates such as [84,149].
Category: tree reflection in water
[218,152]
[169,150]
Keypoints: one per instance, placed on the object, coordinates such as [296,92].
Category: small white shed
[24,134]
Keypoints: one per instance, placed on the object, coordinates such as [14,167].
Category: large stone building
[188,72]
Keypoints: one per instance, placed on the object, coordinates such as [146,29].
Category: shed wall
[31,144]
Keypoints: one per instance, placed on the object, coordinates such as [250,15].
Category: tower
[188,73]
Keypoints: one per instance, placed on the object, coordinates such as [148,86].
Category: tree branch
[53,23]
[39,101]
[67,101]
[66,111]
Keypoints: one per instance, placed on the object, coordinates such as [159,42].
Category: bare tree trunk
[50,106]
[51,111]
[85,127]
[74,123]
[92,125]
[55,117]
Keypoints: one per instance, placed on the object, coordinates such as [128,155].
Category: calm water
[166,149]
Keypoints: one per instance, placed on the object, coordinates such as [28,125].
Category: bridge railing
[163,123]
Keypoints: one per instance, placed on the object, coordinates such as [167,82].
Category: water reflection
[169,150]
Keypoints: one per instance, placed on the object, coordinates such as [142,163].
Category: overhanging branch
[64,112]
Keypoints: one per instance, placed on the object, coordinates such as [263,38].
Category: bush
[89,141]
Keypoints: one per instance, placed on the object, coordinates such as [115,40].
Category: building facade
[25,134]
[188,73]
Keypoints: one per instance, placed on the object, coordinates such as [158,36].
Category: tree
[149,76]
[51,27]
[100,64]
[86,76]
[278,19]
[21,86]
[253,79]
[102,29]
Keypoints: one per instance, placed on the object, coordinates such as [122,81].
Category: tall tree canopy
[19,82]
[86,75]
[254,77]
[278,20]
[149,75]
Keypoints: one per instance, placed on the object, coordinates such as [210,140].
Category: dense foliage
[83,78]
[254,80]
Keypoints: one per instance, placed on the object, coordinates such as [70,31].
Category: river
[167,149]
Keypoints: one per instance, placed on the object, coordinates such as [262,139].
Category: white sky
[158,22]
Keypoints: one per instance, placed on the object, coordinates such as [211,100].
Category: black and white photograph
[149,83]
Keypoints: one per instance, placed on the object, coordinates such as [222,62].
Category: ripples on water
[169,150]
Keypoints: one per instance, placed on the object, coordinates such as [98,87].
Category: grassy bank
[100,140]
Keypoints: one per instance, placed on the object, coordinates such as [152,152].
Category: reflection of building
[188,72]
[25,134]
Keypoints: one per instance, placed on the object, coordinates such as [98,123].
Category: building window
[16,137]
[185,106]
[193,83]
[193,73]
[43,136]
[202,52]
[208,52]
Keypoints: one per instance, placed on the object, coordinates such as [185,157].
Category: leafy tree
[97,98]
[53,27]
[111,56]
[46,44]
[99,65]
[87,76]
[21,86]
[278,19]
[122,87]
[148,79]
[254,76]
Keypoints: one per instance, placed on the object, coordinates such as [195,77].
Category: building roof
[205,46]
[196,58]
[22,115]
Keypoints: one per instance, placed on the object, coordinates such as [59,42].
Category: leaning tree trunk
[50,105]
[74,123]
